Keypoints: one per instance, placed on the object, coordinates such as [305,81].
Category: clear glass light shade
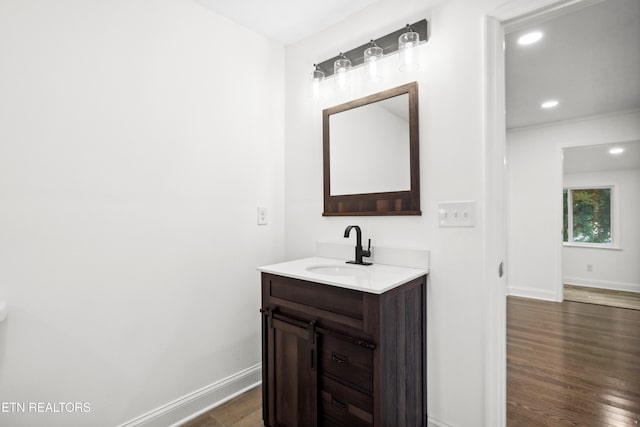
[407,44]
[341,69]
[316,78]
[372,57]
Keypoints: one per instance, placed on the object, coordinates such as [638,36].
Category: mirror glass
[371,155]
[370,148]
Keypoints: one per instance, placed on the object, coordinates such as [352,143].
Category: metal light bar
[388,43]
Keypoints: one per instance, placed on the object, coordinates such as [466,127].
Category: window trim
[615,216]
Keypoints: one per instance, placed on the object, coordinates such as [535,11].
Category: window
[587,216]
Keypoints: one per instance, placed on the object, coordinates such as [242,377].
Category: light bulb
[372,55]
[341,69]
[316,78]
[407,43]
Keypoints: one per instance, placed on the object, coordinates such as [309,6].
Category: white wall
[611,268]
[534,162]
[131,163]
[451,161]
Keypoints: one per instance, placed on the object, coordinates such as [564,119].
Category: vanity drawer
[328,422]
[339,402]
[345,360]
[321,301]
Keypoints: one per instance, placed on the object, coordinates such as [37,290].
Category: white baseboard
[616,286]
[532,293]
[432,422]
[192,405]
[200,401]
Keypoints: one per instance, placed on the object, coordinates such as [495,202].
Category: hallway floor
[572,364]
[602,297]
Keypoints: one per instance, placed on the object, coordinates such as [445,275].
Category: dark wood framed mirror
[371,159]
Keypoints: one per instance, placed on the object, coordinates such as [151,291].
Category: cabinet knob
[339,403]
[339,359]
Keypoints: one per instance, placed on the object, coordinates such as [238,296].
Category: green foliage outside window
[590,215]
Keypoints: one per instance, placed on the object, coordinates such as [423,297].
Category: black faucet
[359,251]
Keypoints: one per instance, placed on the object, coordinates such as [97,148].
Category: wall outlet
[262,215]
[589,267]
[457,214]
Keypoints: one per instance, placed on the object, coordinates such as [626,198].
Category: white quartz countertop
[376,278]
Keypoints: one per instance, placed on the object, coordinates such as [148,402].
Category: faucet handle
[367,252]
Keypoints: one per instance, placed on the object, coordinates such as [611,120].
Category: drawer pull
[366,344]
[339,403]
[339,359]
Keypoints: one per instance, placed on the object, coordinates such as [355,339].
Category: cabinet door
[292,373]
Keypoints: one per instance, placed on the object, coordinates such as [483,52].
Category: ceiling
[286,21]
[588,60]
[596,158]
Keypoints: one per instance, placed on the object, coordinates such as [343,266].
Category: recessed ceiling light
[549,104]
[529,38]
[616,150]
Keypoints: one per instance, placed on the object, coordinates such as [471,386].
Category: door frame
[495,198]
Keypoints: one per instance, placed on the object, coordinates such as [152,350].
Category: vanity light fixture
[529,38]
[616,150]
[372,57]
[407,43]
[341,67]
[404,40]
[316,77]
[552,103]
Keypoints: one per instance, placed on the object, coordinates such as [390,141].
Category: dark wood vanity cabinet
[291,347]
[341,357]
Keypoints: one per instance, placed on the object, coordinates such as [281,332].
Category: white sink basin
[337,270]
[375,279]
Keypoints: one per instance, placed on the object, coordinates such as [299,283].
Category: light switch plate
[262,215]
[457,214]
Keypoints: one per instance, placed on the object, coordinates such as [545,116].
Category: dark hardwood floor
[568,364]
[242,411]
[572,364]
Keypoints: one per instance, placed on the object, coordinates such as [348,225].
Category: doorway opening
[577,63]
[507,19]
[601,241]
